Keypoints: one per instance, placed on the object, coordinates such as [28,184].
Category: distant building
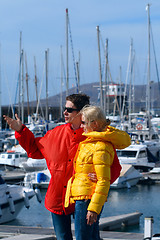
[115,99]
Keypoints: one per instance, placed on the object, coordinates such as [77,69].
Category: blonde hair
[95,113]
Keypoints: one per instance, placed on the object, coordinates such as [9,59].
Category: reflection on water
[142,198]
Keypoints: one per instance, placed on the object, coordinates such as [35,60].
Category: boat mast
[20,55]
[46,57]
[78,73]
[120,98]
[79,64]
[0,93]
[130,84]
[22,84]
[106,87]
[133,81]
[67,69]
[148,100]
[27,85]
[61,95]
[100,71]
[125,89]
[35,79]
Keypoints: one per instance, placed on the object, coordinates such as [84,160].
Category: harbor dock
[117,222]
[38,233]
[10,232]
[17,176]
[13,177]
[150,178]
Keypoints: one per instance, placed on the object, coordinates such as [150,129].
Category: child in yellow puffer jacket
[94,155]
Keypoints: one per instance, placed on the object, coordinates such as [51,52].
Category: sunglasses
[70,110]
[85,123]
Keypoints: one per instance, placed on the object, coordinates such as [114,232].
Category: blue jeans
[82,230]
[62,226]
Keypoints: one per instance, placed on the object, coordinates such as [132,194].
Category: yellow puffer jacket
[95,155]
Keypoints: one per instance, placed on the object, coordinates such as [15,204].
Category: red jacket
[58,147]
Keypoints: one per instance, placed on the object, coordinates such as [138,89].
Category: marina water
[142,198]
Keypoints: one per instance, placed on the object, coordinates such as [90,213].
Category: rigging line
[111,80]
[11,105]
[42,112]
[125,90]
[133,81]
[73,54]
[63,69]
[17,84]
[39,105]
[104,57]
[155,58]
[40,90]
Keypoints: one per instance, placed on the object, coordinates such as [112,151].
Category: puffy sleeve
[102,161]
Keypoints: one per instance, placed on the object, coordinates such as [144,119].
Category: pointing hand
[14,124]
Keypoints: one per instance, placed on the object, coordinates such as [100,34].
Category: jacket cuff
[17,133]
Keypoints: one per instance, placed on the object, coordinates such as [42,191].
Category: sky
[43,26]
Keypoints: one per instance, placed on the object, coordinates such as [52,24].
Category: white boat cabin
[12,158]
[136,155]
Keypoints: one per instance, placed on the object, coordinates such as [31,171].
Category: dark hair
[79,100]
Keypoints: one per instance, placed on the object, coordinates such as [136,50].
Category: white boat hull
[125,184]
[11,159]
[7,216]
[33,165]
[38,179]
[129,177]
[12,199]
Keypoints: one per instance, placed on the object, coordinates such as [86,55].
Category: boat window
[2,156]
[123,153]
[16,156]
[146,137]
[9,156]
[141,137]
[142,154]
[23,155]
[134,137]
[155,136]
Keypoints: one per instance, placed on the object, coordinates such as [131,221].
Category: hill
[91,89]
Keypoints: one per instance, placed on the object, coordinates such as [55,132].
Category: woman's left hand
[92,177]
[91,217]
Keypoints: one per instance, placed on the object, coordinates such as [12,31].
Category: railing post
[148,227]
